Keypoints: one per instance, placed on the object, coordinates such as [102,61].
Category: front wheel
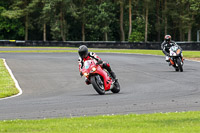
[98,84]
[179,64]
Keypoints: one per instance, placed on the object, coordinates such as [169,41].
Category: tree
[80,15]
[59,25]
[83,19]
[9,28]
[166,10]
[99,17]
[105,18]
[137,34]
[146,4]
[99,20]
[184,19]
[45,16]
[130,18]
[21,9]
[193,7]
[121,2]
[158,27]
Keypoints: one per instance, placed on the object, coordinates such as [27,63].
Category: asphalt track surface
[52,86]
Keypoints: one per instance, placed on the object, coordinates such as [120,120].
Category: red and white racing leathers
[90,56]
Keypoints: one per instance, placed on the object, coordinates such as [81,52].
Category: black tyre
[98,84]
[116,88]
[179,64]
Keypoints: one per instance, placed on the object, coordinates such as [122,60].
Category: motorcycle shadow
[172,71]
[106,94]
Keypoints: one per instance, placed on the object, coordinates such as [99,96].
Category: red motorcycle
[99,78]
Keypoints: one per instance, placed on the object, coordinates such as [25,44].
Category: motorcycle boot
[167,59]
[108,68]
[113,75]
[115,80]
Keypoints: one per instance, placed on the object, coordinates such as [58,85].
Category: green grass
[38,51]
[187,54]
[183,122]
[37,47]
[7,85]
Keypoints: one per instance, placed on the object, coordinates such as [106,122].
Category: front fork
[174,62]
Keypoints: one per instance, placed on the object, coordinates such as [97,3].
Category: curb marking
[16,82]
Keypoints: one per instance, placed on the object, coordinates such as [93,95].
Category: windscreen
[87,64]
[174,48]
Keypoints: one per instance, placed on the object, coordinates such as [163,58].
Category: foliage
[97,20]
[10,28]
[138,30]
[136,37]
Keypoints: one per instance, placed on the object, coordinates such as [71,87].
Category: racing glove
[167,54]
[81,73]
[99,62]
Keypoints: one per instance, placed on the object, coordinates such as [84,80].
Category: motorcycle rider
[166,45]
[85,55]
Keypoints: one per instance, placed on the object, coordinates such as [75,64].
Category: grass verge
[7,85]
[182,122]
[187,54]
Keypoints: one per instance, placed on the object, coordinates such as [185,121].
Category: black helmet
[83,51]
[168,38]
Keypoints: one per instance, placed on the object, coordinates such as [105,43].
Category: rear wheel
[116,87]
[177,69]
[98,84]
[179,64]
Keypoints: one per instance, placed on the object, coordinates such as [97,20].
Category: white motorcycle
[176,58]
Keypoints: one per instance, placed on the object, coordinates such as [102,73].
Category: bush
[136,37]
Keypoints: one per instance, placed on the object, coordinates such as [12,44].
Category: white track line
[16,82]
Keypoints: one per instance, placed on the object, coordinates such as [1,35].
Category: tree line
[99,20]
